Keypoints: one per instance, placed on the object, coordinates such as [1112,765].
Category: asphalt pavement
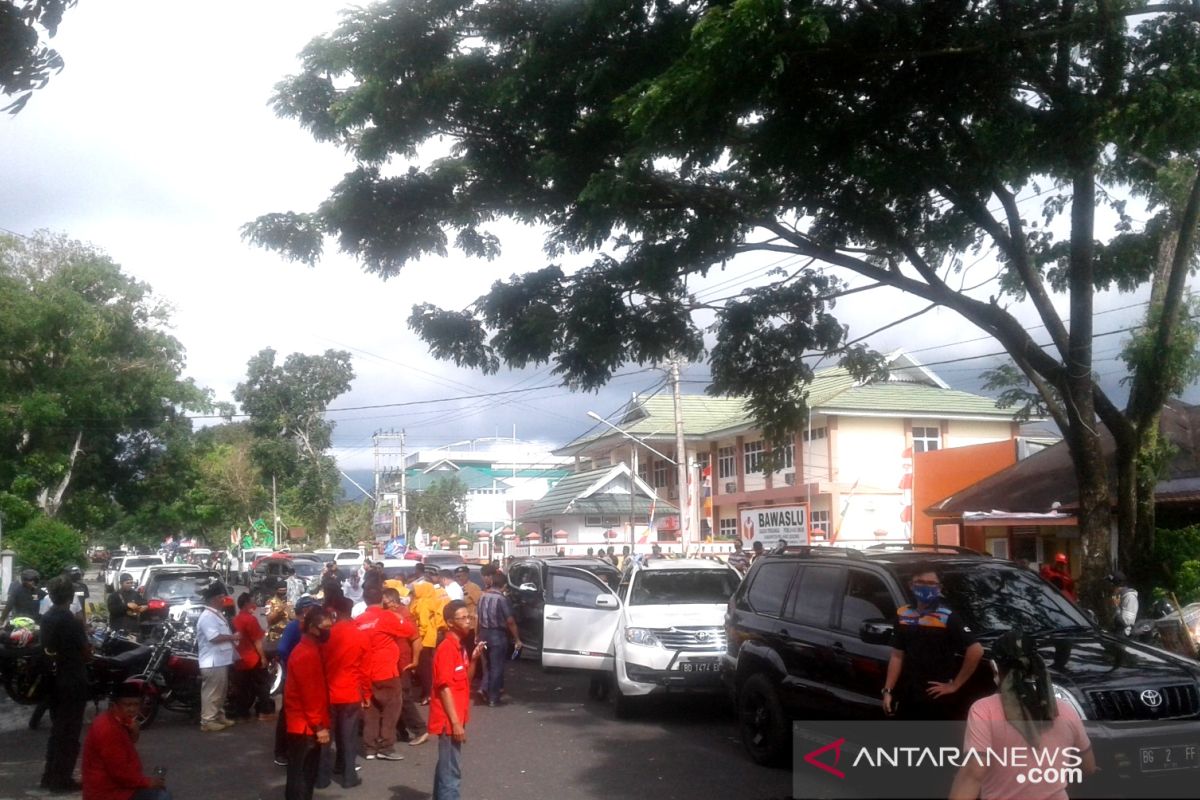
[551,741]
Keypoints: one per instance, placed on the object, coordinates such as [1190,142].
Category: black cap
[462,570]
[432,569]
[214,589]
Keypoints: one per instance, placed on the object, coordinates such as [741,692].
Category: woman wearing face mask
[111,767]
[922,681]
[1023,714]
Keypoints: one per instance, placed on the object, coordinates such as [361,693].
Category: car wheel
[765,731]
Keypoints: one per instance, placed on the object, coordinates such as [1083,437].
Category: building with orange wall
[941,473]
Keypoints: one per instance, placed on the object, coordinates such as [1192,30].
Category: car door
[527,602]
[862,665]
[579,620]
[806,642]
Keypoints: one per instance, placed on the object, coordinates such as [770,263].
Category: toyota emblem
[1152,698]
[703,636]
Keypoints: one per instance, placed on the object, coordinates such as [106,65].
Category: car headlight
[642,636]
[1063,696]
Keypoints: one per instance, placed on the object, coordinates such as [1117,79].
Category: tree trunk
[51,501]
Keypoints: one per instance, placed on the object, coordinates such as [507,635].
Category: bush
[46,545]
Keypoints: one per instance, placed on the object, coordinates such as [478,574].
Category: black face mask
[322,636]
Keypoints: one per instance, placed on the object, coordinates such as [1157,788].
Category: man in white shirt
[453,590]
[215,644]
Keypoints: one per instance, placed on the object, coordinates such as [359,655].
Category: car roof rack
[909,547]
[817,550]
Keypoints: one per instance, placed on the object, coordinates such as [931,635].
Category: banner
[773,524]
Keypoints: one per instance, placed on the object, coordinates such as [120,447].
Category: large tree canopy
[886,140]
[286,405]
[91,386]
[26,62]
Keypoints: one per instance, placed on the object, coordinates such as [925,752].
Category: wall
[941,473]
[869,451]
[964,433]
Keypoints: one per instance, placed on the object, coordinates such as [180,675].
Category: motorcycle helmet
[21,637]
[76,573]
[1163,608]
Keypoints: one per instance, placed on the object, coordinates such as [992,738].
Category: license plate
[1161,759]
[706,665]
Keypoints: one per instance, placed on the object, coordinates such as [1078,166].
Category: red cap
[1061,558]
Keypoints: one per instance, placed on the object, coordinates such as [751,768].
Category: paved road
[550,742]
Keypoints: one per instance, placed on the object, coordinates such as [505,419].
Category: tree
[879,141]
[286,404]
[440,510]
[25,62]
[351,523]
[90,383]
[46,545]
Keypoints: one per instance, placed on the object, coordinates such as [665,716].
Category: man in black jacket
[67,648]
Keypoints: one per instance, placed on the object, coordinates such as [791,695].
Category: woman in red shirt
[112,769]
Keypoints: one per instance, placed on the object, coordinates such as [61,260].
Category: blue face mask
[927,595]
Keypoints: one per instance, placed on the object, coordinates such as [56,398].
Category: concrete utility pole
[681,462]
[403,491]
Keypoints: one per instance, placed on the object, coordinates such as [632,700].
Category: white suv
[662,631]
[671,631]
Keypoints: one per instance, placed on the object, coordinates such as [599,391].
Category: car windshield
[179,588]
[307,569]
[144,561]
[399,573]
[996,597]
[656,587]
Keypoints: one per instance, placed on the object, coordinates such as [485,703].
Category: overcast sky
[156,143]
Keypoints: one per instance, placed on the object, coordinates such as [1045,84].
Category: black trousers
[66,726]
[281,731]
[411,720]
[304,755]
[251,691]
[340,755]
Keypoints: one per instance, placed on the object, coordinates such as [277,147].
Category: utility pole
[681,462]
[403,491]
[275,512]
[633,490]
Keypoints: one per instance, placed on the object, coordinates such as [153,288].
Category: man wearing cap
[24,598]
[496,625]
[125,606]
[112,769]
[215,645]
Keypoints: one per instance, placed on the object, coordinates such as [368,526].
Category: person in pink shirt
[1021,717]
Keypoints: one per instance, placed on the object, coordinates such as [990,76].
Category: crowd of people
[361,657]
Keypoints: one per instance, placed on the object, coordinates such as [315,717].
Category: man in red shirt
[306,704]
[412,724]
[349,693]
[384,631]
[251,682]
[451,702]
[112,769]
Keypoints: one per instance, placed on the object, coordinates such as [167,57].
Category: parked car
[809,631]
[135,566]
[174,591]
[442,559]
[670,633]
[404,569]
[346,559]
[554,600]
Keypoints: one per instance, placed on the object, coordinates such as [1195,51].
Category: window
[566,589]
[523,574]
[814,434]
[926,440]
[597,521]
[819,521]
[813,599]
[726,466]
[660,474]
[702,459]
[683,586]
[867,597]
[728,527]
[787,456]
[770,587]
[752,453]
[642,470]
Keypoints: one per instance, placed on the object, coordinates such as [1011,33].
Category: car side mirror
[528,588]
[875,631]
[606,601]
[1091,615]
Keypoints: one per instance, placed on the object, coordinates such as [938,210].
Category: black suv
[809,632]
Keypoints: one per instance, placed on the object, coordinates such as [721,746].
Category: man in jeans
[215,645]
[451,702]
[383,631]
[345,655]
[496,624]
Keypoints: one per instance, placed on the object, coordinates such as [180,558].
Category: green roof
[911,389]
[564,498]
[478,477]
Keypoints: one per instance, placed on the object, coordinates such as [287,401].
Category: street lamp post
[633,468]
